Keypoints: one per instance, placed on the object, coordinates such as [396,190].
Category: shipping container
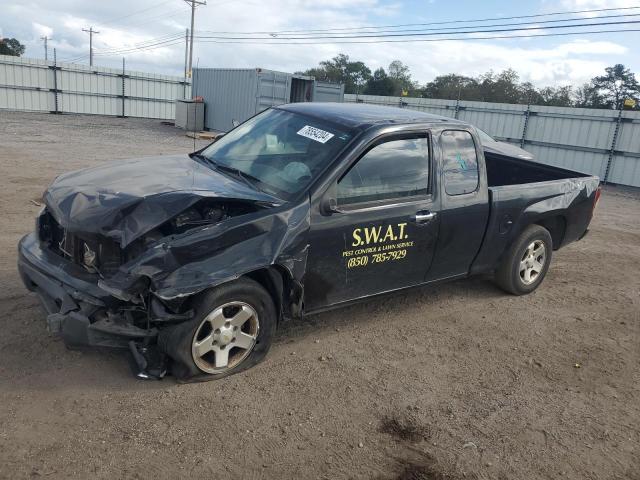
[233,95]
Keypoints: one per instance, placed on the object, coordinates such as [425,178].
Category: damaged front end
[110,276]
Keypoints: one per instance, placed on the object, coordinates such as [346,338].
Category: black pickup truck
[191,261]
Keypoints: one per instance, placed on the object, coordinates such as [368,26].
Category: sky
[562,60]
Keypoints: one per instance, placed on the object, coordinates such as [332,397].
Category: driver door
[382,232]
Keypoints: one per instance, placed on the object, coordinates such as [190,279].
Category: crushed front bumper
[71,298]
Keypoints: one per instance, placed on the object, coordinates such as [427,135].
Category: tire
[524,256]
[199,347]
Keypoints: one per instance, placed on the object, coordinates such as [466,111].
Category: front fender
[192,263]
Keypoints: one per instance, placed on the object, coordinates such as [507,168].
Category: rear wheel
[526,262]
[232,330]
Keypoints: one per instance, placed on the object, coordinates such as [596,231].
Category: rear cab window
[394,168]
[460,162]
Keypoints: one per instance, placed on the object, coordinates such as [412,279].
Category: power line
[417,40]
[306,35]
[166,43]
[164,40]
[162,15]
[421,34]
[254,42]
[478,20]
[168,14]
[556,34]
[140,45]
[178,40]
[439,34]
[117,19]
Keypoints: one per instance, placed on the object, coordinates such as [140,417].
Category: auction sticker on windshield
[315,134]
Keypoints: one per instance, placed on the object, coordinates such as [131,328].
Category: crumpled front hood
[125,199]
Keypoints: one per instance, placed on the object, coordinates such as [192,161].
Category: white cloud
[561,64]
[577,5]
[42,30]
[595,4]
[561,60]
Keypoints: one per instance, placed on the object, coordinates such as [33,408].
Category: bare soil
[448,382]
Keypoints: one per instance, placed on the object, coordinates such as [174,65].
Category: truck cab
[410,206]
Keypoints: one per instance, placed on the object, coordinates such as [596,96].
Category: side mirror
[329,206]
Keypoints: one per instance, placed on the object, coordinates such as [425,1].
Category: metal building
[234,95]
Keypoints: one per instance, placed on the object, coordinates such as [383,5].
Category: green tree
[340,69]
[11,46]
[400,75]
[450,87]
[530,94]
[587,96]
[606,91]
[616,85]
[556,96]
[503,87]
[380,84]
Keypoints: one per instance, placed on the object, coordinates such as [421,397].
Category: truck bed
[503,170]
[523,192]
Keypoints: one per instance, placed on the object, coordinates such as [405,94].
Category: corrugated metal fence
[36,85]
[599,142]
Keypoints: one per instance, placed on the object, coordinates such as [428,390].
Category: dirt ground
[449,382]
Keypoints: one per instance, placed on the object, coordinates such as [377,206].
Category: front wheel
[526,262]
[232,330]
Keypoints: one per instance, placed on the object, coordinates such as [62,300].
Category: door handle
[423,217]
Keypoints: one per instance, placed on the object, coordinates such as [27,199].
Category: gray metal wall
[595,141]
[35,85]
[328,92]
[228,94]
[239,93]
[274,88]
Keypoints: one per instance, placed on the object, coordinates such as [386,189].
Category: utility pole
[91,31]
[186,53]
[186,59]
[194,4]
[46,50]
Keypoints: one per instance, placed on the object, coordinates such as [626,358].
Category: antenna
[195,106]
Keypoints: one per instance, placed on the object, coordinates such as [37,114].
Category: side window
[459,161]
[393,169]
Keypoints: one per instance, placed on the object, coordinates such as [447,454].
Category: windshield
[281,151]
[485,137]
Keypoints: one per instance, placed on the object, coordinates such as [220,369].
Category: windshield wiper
[247,178]
[203,158]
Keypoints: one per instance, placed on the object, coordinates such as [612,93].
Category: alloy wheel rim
[532,262]
[225,337]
